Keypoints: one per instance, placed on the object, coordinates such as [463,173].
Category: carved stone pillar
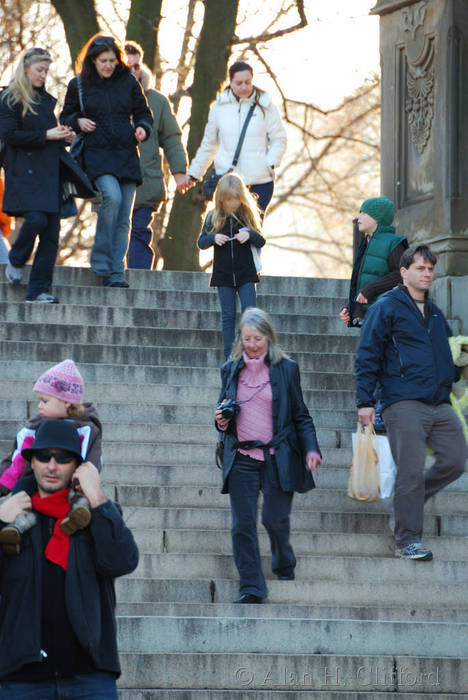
[424,57]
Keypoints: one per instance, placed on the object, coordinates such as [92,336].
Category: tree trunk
[179,247]
[79,21]
[142,26]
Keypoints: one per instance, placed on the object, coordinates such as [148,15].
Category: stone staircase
[356,623]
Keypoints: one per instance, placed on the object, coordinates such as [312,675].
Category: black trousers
[247,478]
[46,225]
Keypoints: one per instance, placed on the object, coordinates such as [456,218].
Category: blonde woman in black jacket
[36,164]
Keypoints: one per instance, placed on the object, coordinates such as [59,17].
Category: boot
[10,535]
[79,517]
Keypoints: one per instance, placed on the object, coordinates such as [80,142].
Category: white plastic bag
[363,483]
[385,464]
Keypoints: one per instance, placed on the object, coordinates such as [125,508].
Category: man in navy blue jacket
[404,345]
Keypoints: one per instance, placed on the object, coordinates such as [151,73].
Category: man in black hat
[57,620]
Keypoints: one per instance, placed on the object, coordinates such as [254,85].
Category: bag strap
[80,92]
[242,134]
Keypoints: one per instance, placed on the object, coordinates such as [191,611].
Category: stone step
[178,454]
[154,355]
[172,299]
[335,499]
[217,694]
[287,676]
[109,395]
[310,543]
[308,520]
[190,431]
[314,568]
[263,635]
[321,592]
[203,475]
[170,316]
[160,337]
[173,375]
[401,612]
[197,281]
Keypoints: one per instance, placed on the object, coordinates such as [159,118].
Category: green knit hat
[381,209]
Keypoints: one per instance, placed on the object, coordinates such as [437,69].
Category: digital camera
[229,408]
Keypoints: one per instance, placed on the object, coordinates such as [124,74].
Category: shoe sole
[78,519]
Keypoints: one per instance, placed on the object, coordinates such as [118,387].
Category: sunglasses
[131,49]
[59,457]
[104,41]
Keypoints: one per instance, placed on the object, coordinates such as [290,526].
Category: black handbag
[219,452]
[210,182]
[77,148]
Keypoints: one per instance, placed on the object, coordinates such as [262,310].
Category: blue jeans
[89,686]
[247,478]
[140,253]
[113,225]
[227,299]
[46,225]
[264,193]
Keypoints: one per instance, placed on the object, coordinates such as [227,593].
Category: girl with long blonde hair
[233,228]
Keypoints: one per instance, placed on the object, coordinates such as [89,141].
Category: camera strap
[241,403]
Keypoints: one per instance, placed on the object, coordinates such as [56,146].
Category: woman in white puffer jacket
[265,139]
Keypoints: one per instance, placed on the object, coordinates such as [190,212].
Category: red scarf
[57,506]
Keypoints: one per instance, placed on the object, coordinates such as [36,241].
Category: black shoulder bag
[209,184]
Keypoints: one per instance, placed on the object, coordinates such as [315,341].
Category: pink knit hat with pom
[63,381]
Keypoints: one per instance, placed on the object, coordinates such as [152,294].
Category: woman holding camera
[269,445]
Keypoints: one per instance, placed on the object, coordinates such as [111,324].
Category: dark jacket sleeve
[206,239]
[375,334]
[71,111]
[141,113]
[170,139]
[302,419]
[256,239]
[12,133]
[115,548]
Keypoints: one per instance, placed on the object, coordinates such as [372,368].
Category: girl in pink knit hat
[60,395]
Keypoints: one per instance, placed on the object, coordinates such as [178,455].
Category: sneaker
[44,298]
[415,550]
[120,283]
[13,274]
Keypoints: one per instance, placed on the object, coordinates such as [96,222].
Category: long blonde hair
[247,214]
[20,90]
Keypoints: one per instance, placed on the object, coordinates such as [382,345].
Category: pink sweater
[255,420]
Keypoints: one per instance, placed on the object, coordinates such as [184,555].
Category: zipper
[402,374]
[232,254]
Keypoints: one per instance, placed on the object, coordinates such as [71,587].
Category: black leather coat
[291,418]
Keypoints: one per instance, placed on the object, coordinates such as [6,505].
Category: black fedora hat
[55,434]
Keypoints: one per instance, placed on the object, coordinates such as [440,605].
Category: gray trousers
[411,425]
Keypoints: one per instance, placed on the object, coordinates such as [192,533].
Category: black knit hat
[55,434]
